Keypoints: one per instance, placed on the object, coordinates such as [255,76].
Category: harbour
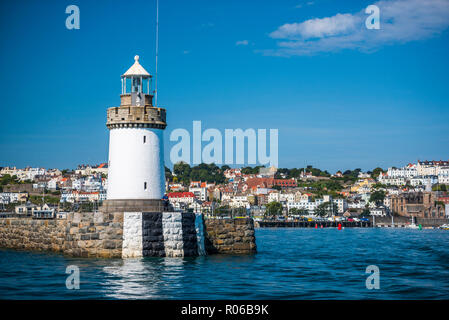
[291,263]
[314,224]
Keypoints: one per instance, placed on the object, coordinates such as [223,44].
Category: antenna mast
[157,41]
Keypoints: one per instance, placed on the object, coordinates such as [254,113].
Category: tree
[365,213]
[326,208]
[274,208]
[8,179]
[251,170]
[439,187]
[376,172]
[202,172]
[377,197]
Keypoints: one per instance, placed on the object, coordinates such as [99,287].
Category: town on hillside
[416,190]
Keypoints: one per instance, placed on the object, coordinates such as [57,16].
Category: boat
[444,226]
[413,225]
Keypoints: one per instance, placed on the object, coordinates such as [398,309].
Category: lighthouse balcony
[136,116]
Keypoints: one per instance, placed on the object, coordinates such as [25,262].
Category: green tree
[376,172]
[439,187]
[8,179]
[365,213]
[326,209]
[377,197]
[251,170]
[274,208]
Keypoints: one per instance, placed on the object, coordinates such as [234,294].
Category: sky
[341,96]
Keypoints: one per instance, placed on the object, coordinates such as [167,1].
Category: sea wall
[81,234]
[401,220]
[230,236]
[129,234]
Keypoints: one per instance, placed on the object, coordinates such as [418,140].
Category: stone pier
[130,235]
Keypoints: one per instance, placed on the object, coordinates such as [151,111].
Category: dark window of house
[145,186]
[144,139]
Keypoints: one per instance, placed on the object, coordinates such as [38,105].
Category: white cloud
[401,21]
[317,28]
[242,43]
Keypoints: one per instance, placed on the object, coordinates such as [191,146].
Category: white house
[424,180]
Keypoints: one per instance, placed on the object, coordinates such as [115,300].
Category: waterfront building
[307,205]
[417,204]
[342,205]
[25,209]
[136,172]
[379,211]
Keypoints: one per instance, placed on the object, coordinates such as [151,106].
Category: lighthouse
[136,174]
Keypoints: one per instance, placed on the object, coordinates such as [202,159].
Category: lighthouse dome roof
[136,69]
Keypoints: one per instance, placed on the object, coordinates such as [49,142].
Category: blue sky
[340,95]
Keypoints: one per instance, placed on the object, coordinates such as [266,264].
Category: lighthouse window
[144,139]
[145,186]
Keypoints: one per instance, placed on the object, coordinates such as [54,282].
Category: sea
[290,263]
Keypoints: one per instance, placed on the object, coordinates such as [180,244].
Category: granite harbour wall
[231,236]
[130,234]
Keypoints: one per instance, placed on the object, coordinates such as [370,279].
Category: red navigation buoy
[321,226]
[316,226]
[339,226]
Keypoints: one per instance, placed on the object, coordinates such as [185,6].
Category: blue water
[290,264]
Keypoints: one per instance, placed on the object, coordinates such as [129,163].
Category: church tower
[136,174]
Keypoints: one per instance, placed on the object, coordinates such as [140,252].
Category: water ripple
[290,264]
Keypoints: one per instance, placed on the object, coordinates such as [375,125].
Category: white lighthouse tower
[136,174]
